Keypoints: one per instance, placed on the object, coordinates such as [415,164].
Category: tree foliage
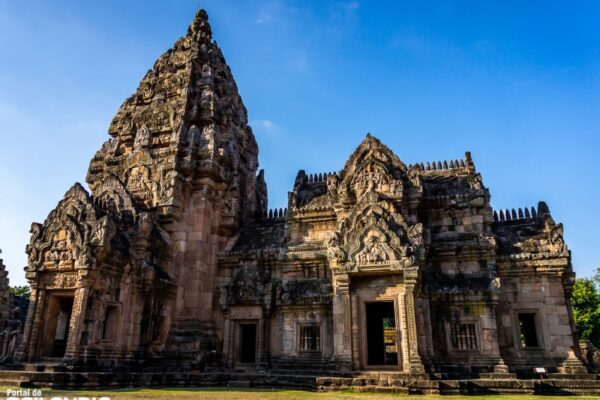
[585,300]
[21,291]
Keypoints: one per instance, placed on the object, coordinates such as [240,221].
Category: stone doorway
[248,343]
[382,338]
[56,326]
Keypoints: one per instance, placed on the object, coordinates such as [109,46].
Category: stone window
[310,338]
[109,332]
[463,336]
[528,331]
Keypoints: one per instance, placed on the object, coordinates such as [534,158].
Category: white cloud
[267,11]
[264,18]
[265,125]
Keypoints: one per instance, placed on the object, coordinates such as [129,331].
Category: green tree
[585,300]
[21,291]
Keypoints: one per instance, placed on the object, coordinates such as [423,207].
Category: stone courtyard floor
[265,394]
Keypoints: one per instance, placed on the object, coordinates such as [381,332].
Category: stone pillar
[25,351]
[356,362]
[342,324]
[404,344]
[264,357]
[36,325]
[76,322]
[410,280]
[500,367]
[227,341]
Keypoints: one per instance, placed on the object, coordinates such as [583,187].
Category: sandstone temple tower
[129,271]
[173,260]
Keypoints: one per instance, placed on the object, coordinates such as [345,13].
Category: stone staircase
[29,374]
[51,376]
[559,384]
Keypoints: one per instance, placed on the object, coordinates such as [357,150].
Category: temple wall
[543,296]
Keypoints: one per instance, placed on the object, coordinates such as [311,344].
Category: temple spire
[199,29]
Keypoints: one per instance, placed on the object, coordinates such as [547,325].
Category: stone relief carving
[374,232]
[142,138]
[62,280]
[308,291]
[112,196]
[555,238]
[250,285]
[62,252]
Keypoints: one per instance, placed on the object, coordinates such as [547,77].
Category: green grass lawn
[266,394]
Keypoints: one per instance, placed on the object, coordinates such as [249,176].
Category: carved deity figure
[334,251]
[374,249]
[142,138]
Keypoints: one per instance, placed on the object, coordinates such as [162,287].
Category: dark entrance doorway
[248,343]
[382,348]
[57,323]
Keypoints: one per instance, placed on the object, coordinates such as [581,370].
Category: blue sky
[517,83]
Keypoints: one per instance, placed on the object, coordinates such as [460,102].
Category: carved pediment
[368,196]
[375,236]
[58,243]
[75,234]
[371,173]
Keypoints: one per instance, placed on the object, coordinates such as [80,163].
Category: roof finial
[469,161]
[200,27]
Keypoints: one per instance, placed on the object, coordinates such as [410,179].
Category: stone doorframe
[347,340]
[40,300]
[359,325]
[236,316]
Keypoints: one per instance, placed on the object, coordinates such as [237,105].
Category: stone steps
[580,376]
[43,367]
[14,382]
[467,386]
[359,381]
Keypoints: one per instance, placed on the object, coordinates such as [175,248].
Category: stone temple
[172,262]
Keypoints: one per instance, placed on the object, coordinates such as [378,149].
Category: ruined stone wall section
[543,296]
[535,277]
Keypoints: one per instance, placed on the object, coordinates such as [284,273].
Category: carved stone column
[342,322]
[356,361]
[410,280]
[76,322]
[28,344]
[265,358]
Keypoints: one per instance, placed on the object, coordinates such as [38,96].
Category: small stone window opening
[109,332]
[310,338]
[463,336]
[527,330]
